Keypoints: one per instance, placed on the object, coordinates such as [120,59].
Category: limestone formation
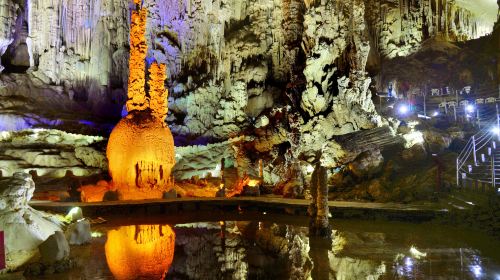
[137,99]
[141,147]
[399,27]
[49,152]
[157,92]
[318,210]
[25,228]
[9,14]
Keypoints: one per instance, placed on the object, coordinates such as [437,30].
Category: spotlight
[470,108]
[435,114]
[476,270]
[403,109]
[495,130]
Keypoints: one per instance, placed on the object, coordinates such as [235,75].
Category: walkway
[272,204]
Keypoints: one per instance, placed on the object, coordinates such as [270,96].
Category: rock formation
[25,228]
[318,210]
[286,75]
[141,148]
[50,152]
[399,27]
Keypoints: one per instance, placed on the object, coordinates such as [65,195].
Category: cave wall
[398,27]
[286,70]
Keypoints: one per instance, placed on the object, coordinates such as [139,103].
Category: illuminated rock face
[141,156]
[137,63]
[140,252]
[141,147]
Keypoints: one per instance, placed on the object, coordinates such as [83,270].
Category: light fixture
[403,109]
[495,130]
[470,108]
[435,114]
[476,270]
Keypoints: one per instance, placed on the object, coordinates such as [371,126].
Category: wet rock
[79,233]
[38,269]
[34,269]
[55,248]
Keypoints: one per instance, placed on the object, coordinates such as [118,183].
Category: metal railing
[477,160]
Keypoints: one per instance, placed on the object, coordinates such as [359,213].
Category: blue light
[477,270]
[408,263]
[403,109]
[495,130]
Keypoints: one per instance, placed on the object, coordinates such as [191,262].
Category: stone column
[318,209]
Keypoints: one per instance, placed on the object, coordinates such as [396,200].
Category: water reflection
[140,251]
[264,249]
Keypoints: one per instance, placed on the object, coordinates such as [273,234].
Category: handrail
[481,172]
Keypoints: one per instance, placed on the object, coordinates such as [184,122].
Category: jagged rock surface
[399,27]
[231,64]
[49,152]
[25,228]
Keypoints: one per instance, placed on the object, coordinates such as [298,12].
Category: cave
[228,139]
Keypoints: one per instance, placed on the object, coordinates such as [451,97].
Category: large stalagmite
[141,147]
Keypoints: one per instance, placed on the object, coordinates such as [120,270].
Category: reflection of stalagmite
[140,252]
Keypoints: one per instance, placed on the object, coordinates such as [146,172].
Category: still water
[277,247]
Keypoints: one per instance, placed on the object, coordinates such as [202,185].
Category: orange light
[141,147]
[140,252]
[253,183]
[158,94]
[94,193]
[141,155]
[137,99]
[238,186]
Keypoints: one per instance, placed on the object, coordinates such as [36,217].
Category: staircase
[478,165]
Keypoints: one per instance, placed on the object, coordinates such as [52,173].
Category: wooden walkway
[271,204]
